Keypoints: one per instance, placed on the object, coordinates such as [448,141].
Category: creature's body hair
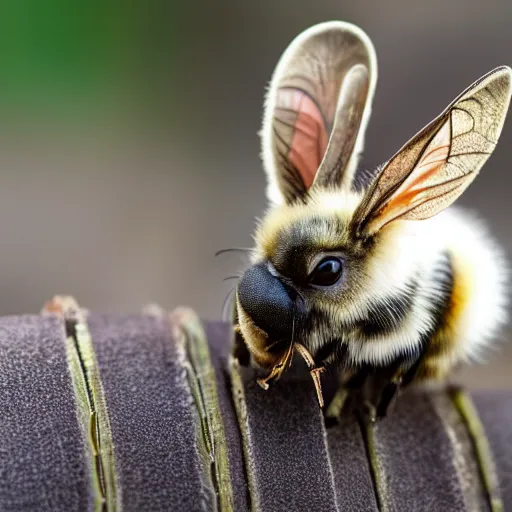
[437,285]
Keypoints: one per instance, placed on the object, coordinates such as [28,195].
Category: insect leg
[398,380]
[388,394]
[413,370]
[314,371]
[240,350]
[278,369]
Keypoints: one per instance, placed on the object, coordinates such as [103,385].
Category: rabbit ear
[317,109]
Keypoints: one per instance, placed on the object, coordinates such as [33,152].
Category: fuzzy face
[291,242]
[376,297]
[294,239]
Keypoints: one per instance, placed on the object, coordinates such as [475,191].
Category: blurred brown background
[128,135]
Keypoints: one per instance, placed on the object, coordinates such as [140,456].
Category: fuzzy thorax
[437,283]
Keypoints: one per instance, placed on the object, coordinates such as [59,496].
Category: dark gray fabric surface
[420,458]
[476,493]
[415,458]
[218,335]
[288,467]
[42,456]
[352,476]
[495,412]
[151,415]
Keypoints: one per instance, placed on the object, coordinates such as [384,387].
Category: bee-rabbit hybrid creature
[368,271]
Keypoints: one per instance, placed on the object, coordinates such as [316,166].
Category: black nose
[269,303]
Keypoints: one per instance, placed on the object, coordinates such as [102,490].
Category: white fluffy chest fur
[410,261]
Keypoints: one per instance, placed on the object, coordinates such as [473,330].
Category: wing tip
[502,74]
[506,70]
[498,80]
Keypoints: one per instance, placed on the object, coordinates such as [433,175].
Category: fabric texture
[287,459]
[151,414]
[273,450]
[352,473]
[42,459]
[218,334]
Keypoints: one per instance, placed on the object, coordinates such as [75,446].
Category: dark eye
[327,272]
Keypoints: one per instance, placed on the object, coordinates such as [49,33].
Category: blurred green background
[128,135]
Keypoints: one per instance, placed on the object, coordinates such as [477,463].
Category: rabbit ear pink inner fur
[310,137]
